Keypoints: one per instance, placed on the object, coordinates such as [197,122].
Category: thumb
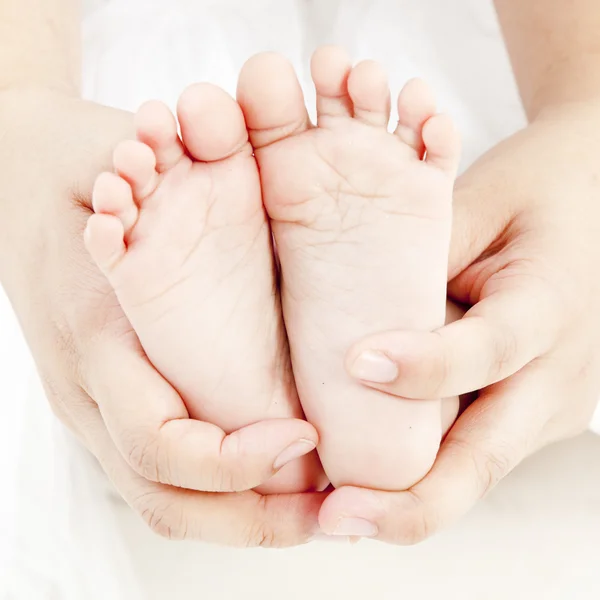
[491,437]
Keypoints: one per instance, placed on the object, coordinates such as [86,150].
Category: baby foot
[181,234]
[361,219]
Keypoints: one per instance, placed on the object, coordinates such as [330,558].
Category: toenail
[293,452]
[355,527]
[375,367]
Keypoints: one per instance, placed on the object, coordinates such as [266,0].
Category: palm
[80,140]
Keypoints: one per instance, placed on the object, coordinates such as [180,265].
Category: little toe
[272,100]
[330,68]
[104,240]
[212,123]
[136,163]
[416,104]
[370,92]
[157,128]
[112,195]
[442,144]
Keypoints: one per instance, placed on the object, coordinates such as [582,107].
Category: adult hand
[96,375]
[526,257]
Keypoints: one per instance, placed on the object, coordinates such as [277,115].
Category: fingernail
[292,452]
[355,527]
[375,367]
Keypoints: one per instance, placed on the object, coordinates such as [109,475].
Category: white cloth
[70,546]
[139,49]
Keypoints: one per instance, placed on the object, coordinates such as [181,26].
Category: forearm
[40,44]
[554,47]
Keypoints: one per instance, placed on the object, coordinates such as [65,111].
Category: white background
[64,535]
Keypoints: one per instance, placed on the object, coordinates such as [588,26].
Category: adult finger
[502,333]
[149,425]
[476,224]
[236,519]
[492,436]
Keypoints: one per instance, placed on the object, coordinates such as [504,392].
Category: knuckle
[268,537]
[226,476]
[164,517]
[56,399]
[490,465]
[220,478]
[143,456]
[227,472]
[505,351]
[260,532]
[494,466]
[258,535]
[65,341]
[420,524]
[63,399]
[70,342]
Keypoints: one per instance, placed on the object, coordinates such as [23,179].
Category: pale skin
[526,257]
[180,232]
[97,378]
[362,224]
[511,421]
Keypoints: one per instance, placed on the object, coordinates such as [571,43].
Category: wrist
[569,84]
[40,44]
[577,124]
[20,98]
[25,151]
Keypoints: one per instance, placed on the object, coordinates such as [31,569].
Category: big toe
[212,123]
[271,98]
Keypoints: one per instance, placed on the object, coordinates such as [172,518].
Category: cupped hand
[97,378]
[526,258]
